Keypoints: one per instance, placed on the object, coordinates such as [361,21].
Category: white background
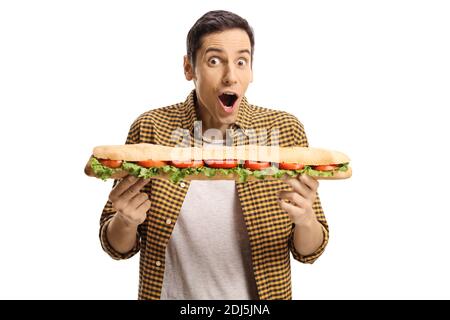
[370,78]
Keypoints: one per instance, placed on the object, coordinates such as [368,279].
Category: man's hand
[308,234]
[300,209]
[130,203]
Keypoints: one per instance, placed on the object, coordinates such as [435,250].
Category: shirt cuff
[110,250]
[311,258]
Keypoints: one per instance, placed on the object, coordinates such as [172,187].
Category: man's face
[221,76]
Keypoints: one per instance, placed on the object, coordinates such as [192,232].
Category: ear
[188,69]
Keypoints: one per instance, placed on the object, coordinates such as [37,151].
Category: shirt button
[158,263]
[182,184]
[169,221]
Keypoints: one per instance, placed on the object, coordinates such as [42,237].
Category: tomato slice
[291,166]
[151,163]
[222,164]
[187,164]
[110,163]
[328,167]
[256,165]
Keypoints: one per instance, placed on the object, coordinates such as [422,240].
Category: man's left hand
[302,198]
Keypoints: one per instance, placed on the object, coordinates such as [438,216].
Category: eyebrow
[212,49]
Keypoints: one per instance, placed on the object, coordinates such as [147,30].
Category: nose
[229,77]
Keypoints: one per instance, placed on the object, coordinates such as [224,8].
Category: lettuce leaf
[177,174]
[242,173]
[343,167]
[101,171]
[209,172]
[132,168]
[167,169]
[311,172]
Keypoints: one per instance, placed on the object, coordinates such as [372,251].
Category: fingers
[300,208]
[145,206]
[312,183]
[88,169]
[304,185]
[121,187]
[135,212]
[295,198]
[139,205]
[134,189]
[293,211]
[289,207]
[127,188]
[137,200]
[299,187]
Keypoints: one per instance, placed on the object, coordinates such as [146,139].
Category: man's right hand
[130,203]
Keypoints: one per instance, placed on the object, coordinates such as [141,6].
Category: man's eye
[242,62]
[214,61]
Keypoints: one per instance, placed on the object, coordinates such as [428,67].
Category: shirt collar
[243,121]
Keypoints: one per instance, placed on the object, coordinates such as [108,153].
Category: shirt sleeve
[108,211]
[301,140]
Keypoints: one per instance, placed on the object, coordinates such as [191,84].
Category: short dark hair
[212,22]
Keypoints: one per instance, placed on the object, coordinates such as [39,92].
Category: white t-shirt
[208,255]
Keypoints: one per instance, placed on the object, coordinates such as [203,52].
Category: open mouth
[228,101]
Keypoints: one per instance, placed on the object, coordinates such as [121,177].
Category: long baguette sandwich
[240,163]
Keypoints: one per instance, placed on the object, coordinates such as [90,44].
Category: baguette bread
[144,151]
[309,157]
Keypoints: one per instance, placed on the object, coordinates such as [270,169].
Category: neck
[208,122]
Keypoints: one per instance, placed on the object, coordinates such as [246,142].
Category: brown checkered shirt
[269,228]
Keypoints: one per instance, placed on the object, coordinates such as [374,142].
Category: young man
[215,239]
